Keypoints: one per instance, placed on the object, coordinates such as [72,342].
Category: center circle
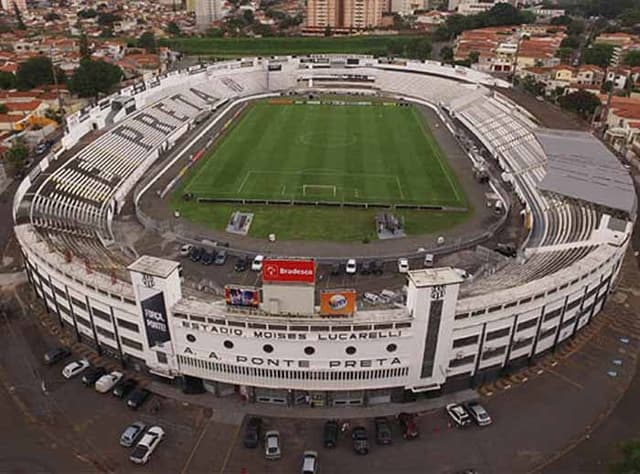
[328,139]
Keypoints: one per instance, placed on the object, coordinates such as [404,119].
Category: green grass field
[350,153]
[225,47]
[340,153]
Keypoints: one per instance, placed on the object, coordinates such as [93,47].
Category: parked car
[252,432]
[207,257]
[147,445]
[91,376]
[221,257]
[310,462]
[43,147]
[360,440]
[107,382]
[256,265]
[335,269]
[409,426]
[195,254]
[458,414]
[124,388]
[377,267]
[403,265]
[132,434]
[74,368]
[185,250]
[55,355]
[272,448]
[507,250]
[365,269]
[241,265]
[137,398]
[330,436]
[478,414]
[351,268]
[383,430]
[429,259]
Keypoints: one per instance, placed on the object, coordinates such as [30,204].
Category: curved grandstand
[579,211]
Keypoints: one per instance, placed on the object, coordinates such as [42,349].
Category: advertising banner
[288,271]
[154,314]
[238,296]
[337,302]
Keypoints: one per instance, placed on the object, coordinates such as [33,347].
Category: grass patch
[225,47]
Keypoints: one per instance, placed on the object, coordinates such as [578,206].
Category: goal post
[319,190]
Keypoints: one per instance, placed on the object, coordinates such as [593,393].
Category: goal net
[318,190]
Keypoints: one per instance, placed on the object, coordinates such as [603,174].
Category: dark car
[252,432]
[377,268]
[221,257]
[365,269]
[409,426]
[207,257]
[360,440]
[92,375]
[195,254]
[241,265]
[137,398]
[336,269]
[507,250]
[55,355]
[330,436]
[124,388]
[383,430]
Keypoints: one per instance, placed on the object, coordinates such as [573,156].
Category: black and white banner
[154,313]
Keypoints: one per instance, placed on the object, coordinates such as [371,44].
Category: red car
[409,426]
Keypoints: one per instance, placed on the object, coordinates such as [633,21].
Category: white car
[185,249]
[272,445]
[256,265]
[310,462]
[351,267]
[107,382]
[74,368]
[458,415]
[147,445]
[403,265]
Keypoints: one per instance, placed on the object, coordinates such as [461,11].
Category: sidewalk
[231,410]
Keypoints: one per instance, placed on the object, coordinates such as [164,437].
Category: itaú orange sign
[296,271]
[337,302]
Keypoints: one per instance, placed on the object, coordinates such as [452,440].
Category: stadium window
[238,324]
[547,333]
[309,350]
[525,300]
[228,344]
[466,341]
[510,305]
[350,350]
[131,343]
[101,314]
[488,354]
[527,324]
[299,328]
[103,332]
[383,326]
[479,312]
[200,319]
[493,309]
[522,343]
[319,328]
[461,316]
[277,327]
[552,314]
[403,325]
[497,334]
[462,361]
[362,328]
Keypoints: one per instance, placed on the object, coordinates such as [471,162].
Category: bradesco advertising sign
[288,271]
[337,302]
[154,314]
[238,296]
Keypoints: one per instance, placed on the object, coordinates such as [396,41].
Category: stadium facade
[453,332]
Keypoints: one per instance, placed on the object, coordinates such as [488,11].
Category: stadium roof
[581,167]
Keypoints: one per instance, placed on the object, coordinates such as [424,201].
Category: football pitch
[383,154]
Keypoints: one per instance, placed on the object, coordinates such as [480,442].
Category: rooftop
[154,266]
[581,167]
[434,276]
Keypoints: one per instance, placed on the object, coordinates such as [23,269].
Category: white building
[208,11]
[473,7]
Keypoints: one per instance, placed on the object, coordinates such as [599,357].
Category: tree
[474,57]
[17,155]
[630,17]
[575,28]
[107,18]
[214,32]
[94,77]
[3,108]
[52,16]
[532,86]
[570,42]
[89,13]
[84,47]
[327,31]
[598,54]
[563,20]
[248,17]
[37,71]
[173,29]
[582,102]
[7,80]
[147,41]
[446,54]
[632,58]
[564,54]
[18,14]
[630,462]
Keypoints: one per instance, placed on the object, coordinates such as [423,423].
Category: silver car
[272,448]
[479,414]
[132,434]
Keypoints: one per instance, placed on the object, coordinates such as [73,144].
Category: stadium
[284,140]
